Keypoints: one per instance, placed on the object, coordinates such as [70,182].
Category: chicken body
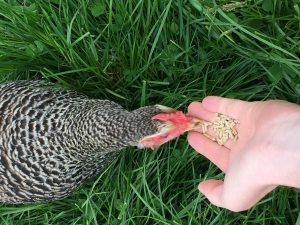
[51,140]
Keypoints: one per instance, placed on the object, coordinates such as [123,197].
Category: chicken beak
[165,109]
[197,123]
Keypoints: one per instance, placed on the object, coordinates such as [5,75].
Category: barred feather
[51,140]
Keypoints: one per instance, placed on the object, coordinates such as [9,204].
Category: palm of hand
[252,163]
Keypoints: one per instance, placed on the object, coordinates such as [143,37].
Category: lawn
[142,52]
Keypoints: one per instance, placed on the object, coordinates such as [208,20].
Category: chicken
[51,140]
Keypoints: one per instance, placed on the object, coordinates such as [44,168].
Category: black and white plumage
[51,140]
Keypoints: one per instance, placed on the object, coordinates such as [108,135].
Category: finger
[217,154]
[212,189]
[230,107]
[230,144]
[196,109]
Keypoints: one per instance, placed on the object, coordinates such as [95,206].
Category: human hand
[266,155]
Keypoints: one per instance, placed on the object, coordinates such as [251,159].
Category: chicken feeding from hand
[51,140]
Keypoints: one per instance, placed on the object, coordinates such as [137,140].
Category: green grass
[140,52]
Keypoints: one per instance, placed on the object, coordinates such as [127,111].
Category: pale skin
[265,156]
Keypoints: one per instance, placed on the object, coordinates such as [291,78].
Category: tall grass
[140,52]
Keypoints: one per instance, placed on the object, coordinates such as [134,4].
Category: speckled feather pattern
[52,139]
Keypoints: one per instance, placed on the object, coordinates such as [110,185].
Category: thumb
[234,199]
[212,189]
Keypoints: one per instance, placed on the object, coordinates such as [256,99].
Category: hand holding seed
[265,155]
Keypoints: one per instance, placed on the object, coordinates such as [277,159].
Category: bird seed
[223,129]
